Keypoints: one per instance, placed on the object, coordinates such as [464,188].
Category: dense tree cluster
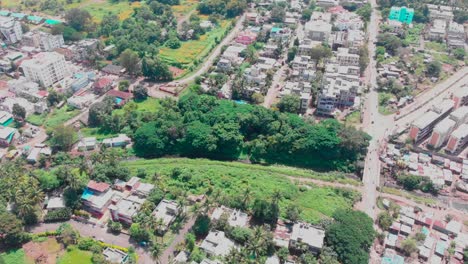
[222,7]
[202,126]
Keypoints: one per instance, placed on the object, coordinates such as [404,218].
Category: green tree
[155,69]
[140,92]
[433,69]
[409,182]
[124,85]
[67,235]
[19,112]
[278,13]
[11,229]
[79,19]
[156,252]
[459,53]
[390,42]
[63,137]
[385,220]
[130,61]
[139,233]
[293,212]
[409,246]
[201,226]
[290,104]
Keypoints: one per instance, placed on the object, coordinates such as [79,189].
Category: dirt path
[323,183]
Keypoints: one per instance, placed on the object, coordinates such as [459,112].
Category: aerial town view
[233,131]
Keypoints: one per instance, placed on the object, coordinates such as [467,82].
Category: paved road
[168,254]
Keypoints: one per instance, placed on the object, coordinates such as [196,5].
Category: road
[374,124]
[168,254]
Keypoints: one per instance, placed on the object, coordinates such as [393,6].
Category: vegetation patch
[13,257]
[53,119]
[76,256]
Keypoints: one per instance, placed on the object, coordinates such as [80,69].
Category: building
[235,217]
[43,40]
[113,69]
[460,96]
[438,30]
[125,209]
[11,30]
[327,3]
[318,30]
[456,35]
[402,14]
[97,197]
[442,132]
[115,256]
[121,140]
[460,115]
[348,20]
[46,68]
[216,244]
[246,37]
[87,144]
[55,203]
[167,211]
[344,58]
[458,139]
[303,233]
[440,12]
[82,100]
[102,85]
[5,118]
[26,89]
[82,50]
[423,126]
[121,98]
[37,151]
[7,135]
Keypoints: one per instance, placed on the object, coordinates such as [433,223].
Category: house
[326,3]
[35,20]
[246,37]
[120,141]
[235,217]
[43,40]
[121,98]
[304,233]
[102,85]
[26,89]
[39,149]
[137,187]
[5,118]
[232,53]
[167,211]
[113,69]
[282,234]
[224,65]
[125,209]
[7,135]
[55,203]
[81,100]
[83,49]
[206,24]
[216,244]
[96,197]
[252,18]
[87,144]
[115,255]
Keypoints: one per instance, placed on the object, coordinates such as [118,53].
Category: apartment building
[458,139]
[442,132]
[424,125]
[456,35]
[460,115]
[460,97]
[402,14]
[46,68]
[440,12]
[437,30]
[43,40]
[345,58]
[318,30]
[10,29]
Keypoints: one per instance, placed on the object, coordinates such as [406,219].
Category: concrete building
[460,115]
[438,30]
[458,139]
[55,203]
[87,144]
[5,118]
[124,209]
[402,14]
[97,197]
[10,29]
[43,40]
[442,132]
[424,125]
[440,12]
[216,244]
[7,135]
[115,256]
[167,211]
[348,20]
[344,58]
[460,97]
[303,233]
[26,89]
[121,140]
[318,30]
[456,35]
[235,217]
[46,68]
[326,3]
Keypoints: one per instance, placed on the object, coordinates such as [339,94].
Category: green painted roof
[52,22]
[4,13]
[34,18]
[18,15]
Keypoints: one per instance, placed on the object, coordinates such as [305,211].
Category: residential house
[87,144]
[5,118]
[102,85]
[304,233]
[37,151]
[166,211]
[43,40]
[121,98]
[224,65]
[7,135]
[81,100]
[116,256]
[121,140]
[246,37]
[113,69]
[252,18]
[27,89]
[96,197]
[235,217]
[138,188]
[46,68]
[125,209]
[326,3]
[55,203]
[216,244]
[232,53]
[11,30]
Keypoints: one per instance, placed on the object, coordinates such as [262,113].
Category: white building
[166,211]
[217,244]
[46,68]
[11,29]
[344,58]
[318,30]
[307,234]
[43,40]
[235,218]
[437,30]
[456,35]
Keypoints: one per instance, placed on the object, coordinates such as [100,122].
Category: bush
[82,213]
[86,243]
[241,234]
[58,215]
[114,227]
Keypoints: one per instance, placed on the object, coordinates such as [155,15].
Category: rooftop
[216,243]
[167,211]
[308,234]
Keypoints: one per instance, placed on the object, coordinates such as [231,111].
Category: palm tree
[156,252]
[247,196]
[258,245]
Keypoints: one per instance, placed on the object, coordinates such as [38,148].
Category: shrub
[82,213]
[86,243]
[58,215]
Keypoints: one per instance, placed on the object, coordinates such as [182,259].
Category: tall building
[43,40]
[458,139]
[46,68]
[10,29]
[402,14]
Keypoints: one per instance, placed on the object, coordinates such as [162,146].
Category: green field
[75,256]
[193,50]
[233,178]
[148,105]
[13,257]
[53,119]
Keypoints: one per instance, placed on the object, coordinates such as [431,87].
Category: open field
[14,257]
[231,179]
[75,256]
[53,119]
[184,8]
[193,50]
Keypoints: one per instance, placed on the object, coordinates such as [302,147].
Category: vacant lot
[53,119]
[232,179]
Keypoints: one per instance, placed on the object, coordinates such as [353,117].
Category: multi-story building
[460,115]
[97,197]
[402,14]
[46,68]
[124,210]
[10,29]
[306,234]
[440,12]
[458,139]
[166,212]
[318,30]
[442,132]
[437,30]
[460,97]
[348,20]
[43,40]
[344,58]
[456,35]
[424,125]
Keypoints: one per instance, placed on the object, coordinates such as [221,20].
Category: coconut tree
[156,252]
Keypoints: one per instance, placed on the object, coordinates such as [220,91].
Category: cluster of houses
[440,237]
[445,124]
[443,28]
[288,235]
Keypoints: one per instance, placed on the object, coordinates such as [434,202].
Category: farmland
[231,179]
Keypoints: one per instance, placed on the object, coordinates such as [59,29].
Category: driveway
[169,252]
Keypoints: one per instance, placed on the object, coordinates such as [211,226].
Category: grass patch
[413,34]
[13,257]
[408,195]
[194,50]
[75,256]
[384,108]
[96,132]
[354,118]
[184,8]
[436,46]
[148,105]
[53,119]
[233,178]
